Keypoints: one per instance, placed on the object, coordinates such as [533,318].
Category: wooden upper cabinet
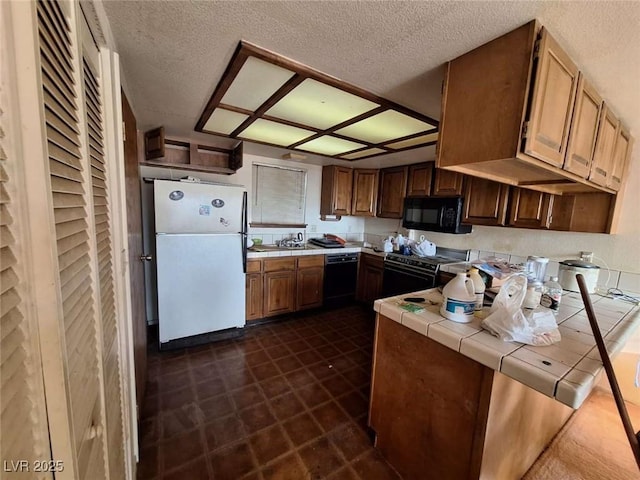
[529,208]
[529,119]
[621,154]
[584,130]
[554,92]
[365,192]
[393,185]
[485,202]
[605,143]
[337,185]
[419,181]
[447,183]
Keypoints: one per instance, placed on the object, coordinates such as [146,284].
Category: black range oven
[410,273]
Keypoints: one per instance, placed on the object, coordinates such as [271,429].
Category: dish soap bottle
[478,287]
[552,294]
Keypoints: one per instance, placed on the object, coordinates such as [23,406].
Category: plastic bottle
[458,299]
[478,287]
[552,294]
[533,295]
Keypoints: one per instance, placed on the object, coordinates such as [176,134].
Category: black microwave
[434,214]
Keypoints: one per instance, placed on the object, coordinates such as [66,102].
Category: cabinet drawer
[254,266]
[276,264]
[311,261]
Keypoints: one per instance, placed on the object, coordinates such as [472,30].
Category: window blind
[278,195]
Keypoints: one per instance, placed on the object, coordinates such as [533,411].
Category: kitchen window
[278,196]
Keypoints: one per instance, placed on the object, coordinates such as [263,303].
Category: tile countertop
[566,371]
[309,249]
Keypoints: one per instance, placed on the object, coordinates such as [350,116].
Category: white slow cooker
[568,270]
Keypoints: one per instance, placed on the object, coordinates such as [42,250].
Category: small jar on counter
[533,295]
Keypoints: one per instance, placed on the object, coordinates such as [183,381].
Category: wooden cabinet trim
[447,183]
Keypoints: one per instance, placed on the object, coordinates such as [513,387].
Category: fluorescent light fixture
[272,132]
[384,127]
[255,83]
[277,101]
[319,105]
[364,153]
[328,145]
[224,121]
[421,140]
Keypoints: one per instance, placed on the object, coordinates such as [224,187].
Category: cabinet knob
[146,258]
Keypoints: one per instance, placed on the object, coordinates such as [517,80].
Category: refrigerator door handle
[243,236]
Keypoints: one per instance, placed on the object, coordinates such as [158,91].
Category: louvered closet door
[103,232]
[70,188]
[23,421]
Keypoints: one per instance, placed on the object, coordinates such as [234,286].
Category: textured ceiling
[173,53]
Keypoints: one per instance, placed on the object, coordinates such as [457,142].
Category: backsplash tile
[629,282]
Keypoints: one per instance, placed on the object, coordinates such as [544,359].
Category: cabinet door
[583,212]
[254,296]
[584,129]
[393,185]
[337,183]
[485,202]
[447,183]
[605,143]
[279,293]
[309,288]
[529,208]
[365,192]
[621,154]
[369,286]
[419,182]
[554,92]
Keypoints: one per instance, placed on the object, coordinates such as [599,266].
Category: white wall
[350,227]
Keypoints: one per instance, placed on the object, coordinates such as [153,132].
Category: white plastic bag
[508,322]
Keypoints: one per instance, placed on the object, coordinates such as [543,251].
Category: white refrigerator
[201,251]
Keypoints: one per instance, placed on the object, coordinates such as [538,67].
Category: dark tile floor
[288,400]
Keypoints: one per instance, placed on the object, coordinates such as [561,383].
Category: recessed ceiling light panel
[319,105]
[256,81]
[422,139]
[385,126]
[364,153]
[328,145]
[271,99]
[224,121]
[275,133]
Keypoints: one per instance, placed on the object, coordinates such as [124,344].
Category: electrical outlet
[349,228]
[313,228]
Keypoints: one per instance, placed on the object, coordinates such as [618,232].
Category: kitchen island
[449,400]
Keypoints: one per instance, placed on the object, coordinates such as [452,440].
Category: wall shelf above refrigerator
[173,152]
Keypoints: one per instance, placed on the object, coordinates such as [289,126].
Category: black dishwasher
[340,276]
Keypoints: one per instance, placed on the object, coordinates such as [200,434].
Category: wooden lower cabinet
[254,296]
[309,287]
[370,272]
[277,286]
[279,293]
[438,414]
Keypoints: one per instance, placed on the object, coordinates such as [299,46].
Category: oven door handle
[408,271]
